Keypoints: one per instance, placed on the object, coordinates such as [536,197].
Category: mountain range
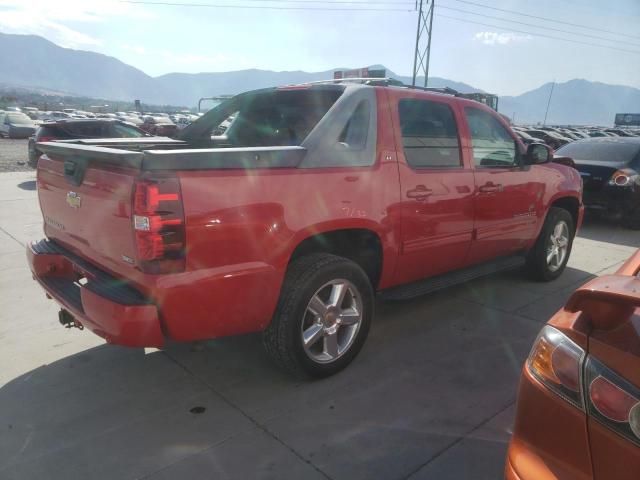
[31,61]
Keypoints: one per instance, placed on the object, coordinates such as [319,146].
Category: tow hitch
[68,321]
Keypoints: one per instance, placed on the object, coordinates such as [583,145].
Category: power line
[275,7]
[537,34]
[534,25]
[547,19]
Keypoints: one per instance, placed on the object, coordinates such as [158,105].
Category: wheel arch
[360,244]
[569,203]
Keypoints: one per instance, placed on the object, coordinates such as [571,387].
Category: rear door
[507,194]
[436,187]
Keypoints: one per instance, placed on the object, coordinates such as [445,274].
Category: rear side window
[52,131]
[354,135]
[429,134]
[492,145]
[85,130]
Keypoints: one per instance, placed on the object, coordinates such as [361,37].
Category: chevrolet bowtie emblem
[73,199]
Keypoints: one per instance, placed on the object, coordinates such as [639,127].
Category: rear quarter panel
[242,227]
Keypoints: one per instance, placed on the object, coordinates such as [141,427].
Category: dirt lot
[13,155]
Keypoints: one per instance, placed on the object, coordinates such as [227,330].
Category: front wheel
[323,316]
[549,256]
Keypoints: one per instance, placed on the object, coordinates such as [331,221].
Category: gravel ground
[13,155]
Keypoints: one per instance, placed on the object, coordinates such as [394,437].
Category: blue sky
[501,56]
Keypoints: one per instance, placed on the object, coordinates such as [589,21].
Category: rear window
[280,117]
[609,151]
[126,131]
[76,130]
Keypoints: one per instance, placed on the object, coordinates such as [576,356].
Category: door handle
[491,187]
[419,193]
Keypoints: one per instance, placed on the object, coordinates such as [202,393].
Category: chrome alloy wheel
[558,246]
[331,321]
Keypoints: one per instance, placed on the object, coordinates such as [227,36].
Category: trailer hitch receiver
[68,321]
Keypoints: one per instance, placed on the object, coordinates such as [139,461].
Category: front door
[436,188]
[506,193]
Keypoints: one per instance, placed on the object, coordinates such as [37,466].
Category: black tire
[537,265]
[33,155]
[305,278]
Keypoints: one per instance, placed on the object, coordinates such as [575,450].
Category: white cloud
[192,58]
[139,49]
[495,38]
[50,18]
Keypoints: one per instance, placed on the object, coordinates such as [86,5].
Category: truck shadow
[29,185]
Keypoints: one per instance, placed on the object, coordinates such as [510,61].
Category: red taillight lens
[44,138]
[612,400]
[556,361]
[158,223]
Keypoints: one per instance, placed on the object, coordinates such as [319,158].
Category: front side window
[429,134]
[492,145]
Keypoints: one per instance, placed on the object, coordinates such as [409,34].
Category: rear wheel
[548,258]
[323,316]
[33,154]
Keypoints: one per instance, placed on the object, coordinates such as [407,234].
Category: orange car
[578,411]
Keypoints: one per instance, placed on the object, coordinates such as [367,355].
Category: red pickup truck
[315,198]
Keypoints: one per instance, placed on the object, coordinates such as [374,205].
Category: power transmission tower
[423,40]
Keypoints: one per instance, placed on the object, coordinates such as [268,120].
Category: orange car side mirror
[607,301]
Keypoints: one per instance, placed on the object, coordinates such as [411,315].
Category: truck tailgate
[86,203]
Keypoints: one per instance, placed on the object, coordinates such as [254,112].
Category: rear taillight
[158,223]
[624,178]
[44,138]
[556,361]
[562,366]
[612,400]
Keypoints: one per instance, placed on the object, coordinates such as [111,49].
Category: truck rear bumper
[105,305]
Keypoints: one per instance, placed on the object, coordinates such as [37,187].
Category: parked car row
[67,129]
[165,124]
[556,137]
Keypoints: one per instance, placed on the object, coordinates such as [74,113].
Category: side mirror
[538,153]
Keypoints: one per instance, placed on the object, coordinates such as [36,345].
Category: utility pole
[423,40]
[548,103]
